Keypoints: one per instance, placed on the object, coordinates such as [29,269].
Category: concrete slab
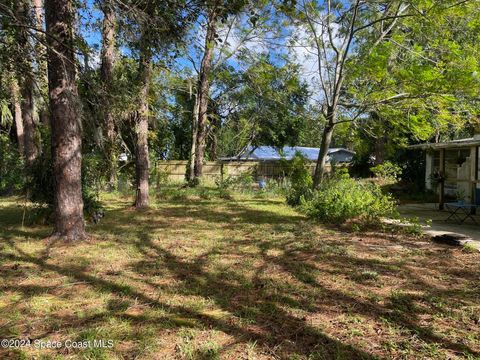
[434,224]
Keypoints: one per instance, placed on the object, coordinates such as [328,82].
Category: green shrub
[470,248]
[387,171]
[277,186]
[39,186]
[224,194]
[340,173]
[11,167]
[224,183]
[40,182]
[241,182]
[161,177]
[205,193]
[176,192]
[411,226]
[339,200]
[173,193]
[301,181]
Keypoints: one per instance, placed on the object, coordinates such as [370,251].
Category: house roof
[454,144]
[265,153]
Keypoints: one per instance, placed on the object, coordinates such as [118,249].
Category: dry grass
[244,278]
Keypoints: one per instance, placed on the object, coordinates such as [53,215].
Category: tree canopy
[195,80]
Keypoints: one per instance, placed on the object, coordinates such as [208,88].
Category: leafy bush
[205,193]
[301,181]
[411,226]
[170,192]
[413,164]
[470,248]
[177,192]
[40,186]
[93,180]
[387,171]
[277,186]
[161,177]
[225,183]
[339,200]
[340,173]
[11,167]
[242,182]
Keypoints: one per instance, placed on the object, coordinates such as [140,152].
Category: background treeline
[82,83]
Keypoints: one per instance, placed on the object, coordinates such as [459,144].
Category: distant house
[452,169]
[269,153]
[262,163]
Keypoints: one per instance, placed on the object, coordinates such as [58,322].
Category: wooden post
[472,183]
[441,201]
[428,170]
[475,200]
[477,170]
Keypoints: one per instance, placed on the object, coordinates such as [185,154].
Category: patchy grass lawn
[245,278]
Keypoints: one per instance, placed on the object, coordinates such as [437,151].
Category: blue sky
[90,18]
[87,15]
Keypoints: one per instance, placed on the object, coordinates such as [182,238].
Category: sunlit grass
[245,277]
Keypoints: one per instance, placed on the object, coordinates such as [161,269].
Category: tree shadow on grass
[277,329]
[269,305]
[400,308]
[266,309]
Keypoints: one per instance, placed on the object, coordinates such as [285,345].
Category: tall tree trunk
[29,126]
[142,161]
[324,146]
[379,149]
[203,94]
[27,86]
[191,172]
[106,75]
[379,137]
[38,10]
[65,122]
[214,141]
[40,49]
[41,60]
[17,116]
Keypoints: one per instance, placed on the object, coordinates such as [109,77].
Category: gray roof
[454,144]
[265,153]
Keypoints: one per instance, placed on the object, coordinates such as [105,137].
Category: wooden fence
[175,170]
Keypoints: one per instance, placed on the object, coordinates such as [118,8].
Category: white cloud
[94,60]
[303,50]
[236,36]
